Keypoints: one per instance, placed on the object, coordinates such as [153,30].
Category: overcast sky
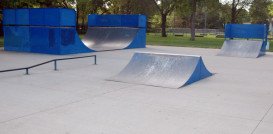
[224,1]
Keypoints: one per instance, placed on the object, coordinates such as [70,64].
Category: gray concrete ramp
[109,38]
[163,70]
[241,48]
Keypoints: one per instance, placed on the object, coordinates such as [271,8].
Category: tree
[165,8]
[145,7]
[193,11]
[238,6]
[85,7]
[37,3]
[259,11]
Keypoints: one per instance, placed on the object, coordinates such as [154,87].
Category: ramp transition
[109,38]
[245,40]
[163,70]
[241,48]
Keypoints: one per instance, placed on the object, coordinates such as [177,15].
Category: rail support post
[95,59]
[27,73]
[55,65]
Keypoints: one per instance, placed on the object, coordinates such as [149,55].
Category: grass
[178,41]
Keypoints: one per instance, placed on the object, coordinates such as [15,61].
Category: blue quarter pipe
[245,40]
[53,31]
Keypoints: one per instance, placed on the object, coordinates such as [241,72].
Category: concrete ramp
[109,38]
[241,48]
[163,70]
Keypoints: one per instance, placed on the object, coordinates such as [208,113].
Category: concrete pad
[78,99]
[264,128]
[269,116]
[108,116]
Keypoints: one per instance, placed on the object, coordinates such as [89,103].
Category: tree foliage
[165,8]
[259,11]
[37,3]
[164,13]
[237,6]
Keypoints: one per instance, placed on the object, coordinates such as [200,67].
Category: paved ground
[78,99]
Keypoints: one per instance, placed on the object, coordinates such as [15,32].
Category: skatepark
[148,89]
[79,99]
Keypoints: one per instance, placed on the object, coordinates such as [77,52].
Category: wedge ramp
[245,40]
[241,48]
[163,70]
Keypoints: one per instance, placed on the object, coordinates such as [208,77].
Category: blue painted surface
[52,17]
[258,31]
[60,17]
[142,21]
[73,45]
[248,31]
[36,17]
[199,73]
[16,38]
[68,17]
[139,40]
[9,17]
[22,17]
[40,17]
[56,40]
[117,21]
[53,31]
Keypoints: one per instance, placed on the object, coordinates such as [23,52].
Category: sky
[224,1]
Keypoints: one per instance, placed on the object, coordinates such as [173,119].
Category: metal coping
[115,27]
[39,26]
[158,53]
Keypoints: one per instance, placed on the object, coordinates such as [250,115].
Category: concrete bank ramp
[109,38]
[163,70]
[242,48]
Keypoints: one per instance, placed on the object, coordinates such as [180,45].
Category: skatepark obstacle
[163,70]
[245,40]
[53,31]
[112,32]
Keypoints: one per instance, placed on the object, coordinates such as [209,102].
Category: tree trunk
[83,25]
[193,20]
[163,24]
[233,13]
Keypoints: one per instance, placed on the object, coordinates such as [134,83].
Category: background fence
[199,32]
[187,31]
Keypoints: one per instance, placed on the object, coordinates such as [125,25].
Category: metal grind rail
[55,64]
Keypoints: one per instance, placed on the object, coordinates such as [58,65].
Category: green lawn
[201,42]
[178,41]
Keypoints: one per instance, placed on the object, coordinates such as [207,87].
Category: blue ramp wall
[137,21]
[248,31]
[130,21]
[53,31]
[42,30]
